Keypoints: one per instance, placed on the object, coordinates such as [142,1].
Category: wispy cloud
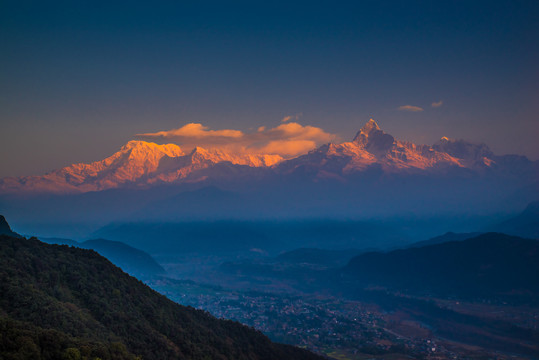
[196,132]
[410,108]
[288,140]
[291,117]
[437,104]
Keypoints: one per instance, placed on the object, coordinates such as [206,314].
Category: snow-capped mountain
[144,164]
[372,147]
[133,161]
[136,163]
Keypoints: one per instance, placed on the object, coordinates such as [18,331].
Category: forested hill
[489,265]
[63,302]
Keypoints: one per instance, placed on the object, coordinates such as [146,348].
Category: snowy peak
[369,126]
[135,159]
[403,154]
[462,149]
[372,146]
[142,149]
[214,156]
[374,140]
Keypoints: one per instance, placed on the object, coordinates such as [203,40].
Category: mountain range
[372,176]
[137,163]
[144,164]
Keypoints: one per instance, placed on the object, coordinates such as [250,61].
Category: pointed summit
[369,127]
[374,140]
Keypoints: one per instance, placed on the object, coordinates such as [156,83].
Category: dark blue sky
[79,80]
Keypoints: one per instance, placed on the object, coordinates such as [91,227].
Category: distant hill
[133,261]
[525,224]
[5,229]
[449,236]
[60,302]
[491,264]
[271,236]
[187,237]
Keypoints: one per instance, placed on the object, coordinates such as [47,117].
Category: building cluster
[322,324]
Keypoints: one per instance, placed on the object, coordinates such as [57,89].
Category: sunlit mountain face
[136,163]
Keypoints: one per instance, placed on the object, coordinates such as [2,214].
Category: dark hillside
[5,229]
[57,301]
[488,265]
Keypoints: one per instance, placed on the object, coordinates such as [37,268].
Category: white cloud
[437,104]
[288,139]
[410,108]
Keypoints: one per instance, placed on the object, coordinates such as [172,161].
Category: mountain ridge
[143,164]
[133,261]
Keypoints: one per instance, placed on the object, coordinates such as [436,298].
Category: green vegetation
[61,302]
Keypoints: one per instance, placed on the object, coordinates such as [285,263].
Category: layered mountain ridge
[145,164]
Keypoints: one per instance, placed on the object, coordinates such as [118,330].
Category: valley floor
[376,324]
